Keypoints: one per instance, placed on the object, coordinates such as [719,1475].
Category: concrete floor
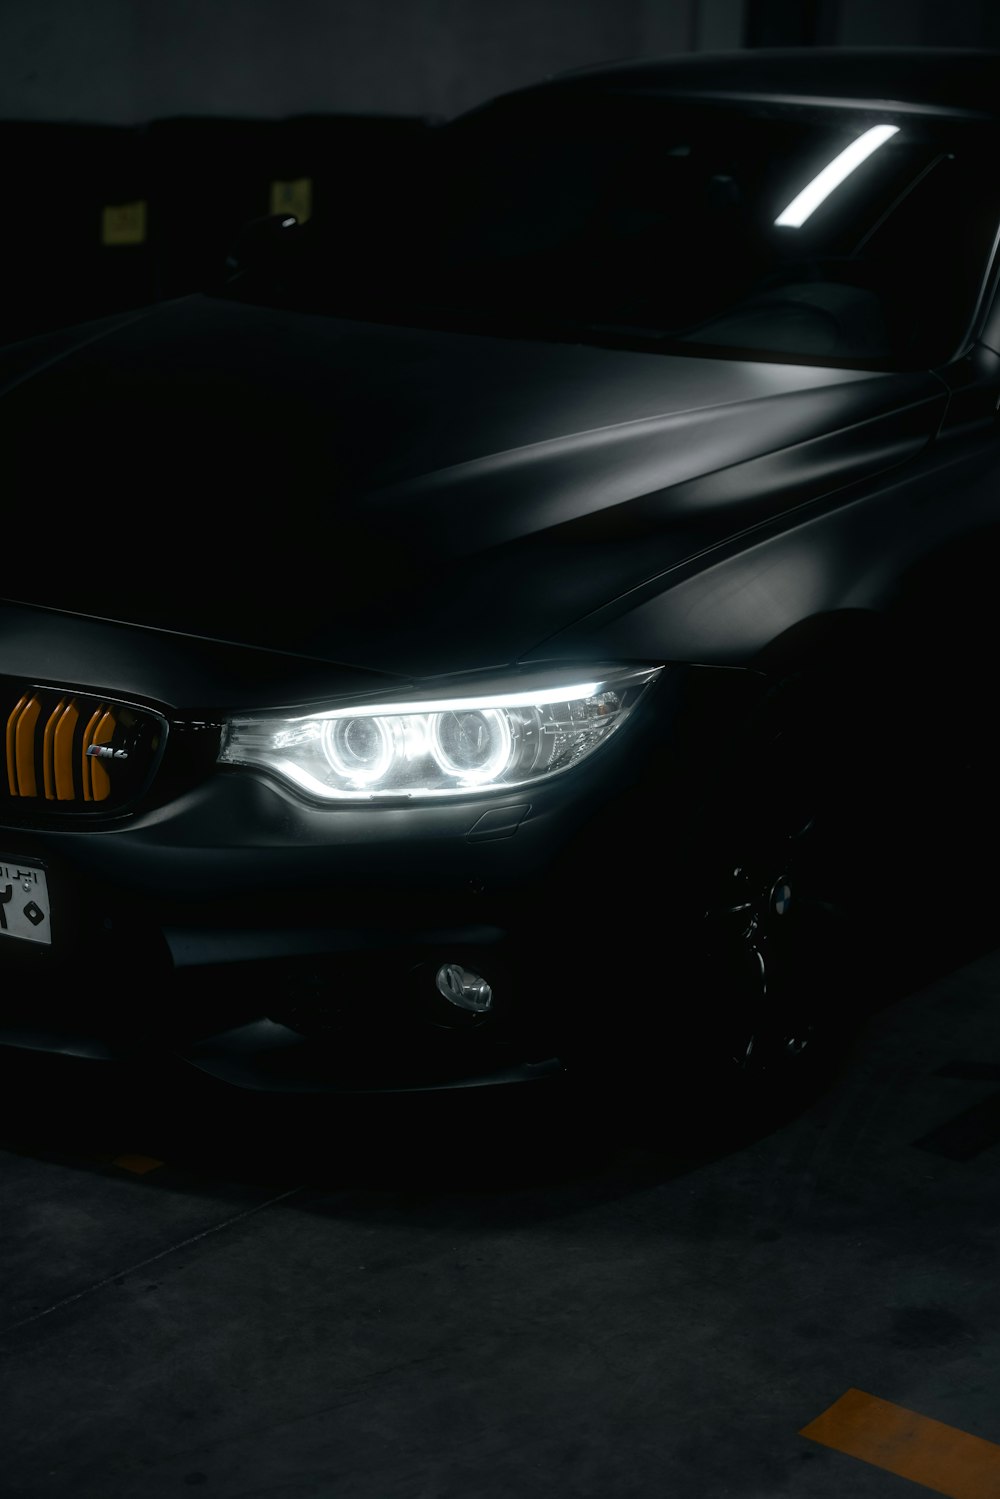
[333,1317]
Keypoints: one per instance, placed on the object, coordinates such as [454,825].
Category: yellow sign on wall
[293,198]
[124,223]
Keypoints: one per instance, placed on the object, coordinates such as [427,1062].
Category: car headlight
[451,745]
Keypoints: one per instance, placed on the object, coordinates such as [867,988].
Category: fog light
[465,989]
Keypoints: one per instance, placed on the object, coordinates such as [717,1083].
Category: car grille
[69,753]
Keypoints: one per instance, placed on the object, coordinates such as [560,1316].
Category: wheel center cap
[781,898]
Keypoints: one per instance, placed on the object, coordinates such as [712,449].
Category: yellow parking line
[140,1164]
[928,1452]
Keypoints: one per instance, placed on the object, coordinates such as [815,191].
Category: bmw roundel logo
[781,897]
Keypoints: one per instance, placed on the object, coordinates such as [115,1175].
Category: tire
[783,959]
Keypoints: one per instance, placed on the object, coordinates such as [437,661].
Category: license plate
[25,914]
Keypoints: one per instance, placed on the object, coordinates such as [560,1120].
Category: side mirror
[262,245]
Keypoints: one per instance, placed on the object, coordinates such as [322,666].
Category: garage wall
[925,23]
[128,61]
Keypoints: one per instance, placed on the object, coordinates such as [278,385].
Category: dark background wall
[128,61]
[935,23]
[956,23]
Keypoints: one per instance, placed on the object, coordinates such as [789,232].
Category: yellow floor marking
[927,1452]
[140,1164]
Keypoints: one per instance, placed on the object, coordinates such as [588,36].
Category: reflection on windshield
[805,203]
[819,234]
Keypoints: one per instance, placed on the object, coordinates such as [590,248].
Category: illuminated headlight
[450,745]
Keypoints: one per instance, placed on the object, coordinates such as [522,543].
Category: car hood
[402,500]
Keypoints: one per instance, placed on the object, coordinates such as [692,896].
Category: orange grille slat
[16,712]
[100,780]
[48,750]
[62,752]
[88,737]
[24,747]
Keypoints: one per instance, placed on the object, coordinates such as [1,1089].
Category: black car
[533,622]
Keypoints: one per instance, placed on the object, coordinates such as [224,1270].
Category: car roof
[932,80]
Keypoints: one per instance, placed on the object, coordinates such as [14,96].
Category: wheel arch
[838,643]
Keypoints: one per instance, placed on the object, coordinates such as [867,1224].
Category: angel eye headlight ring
[474,744]
[359,749]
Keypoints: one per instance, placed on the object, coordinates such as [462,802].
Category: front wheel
[779,974]
[780,959]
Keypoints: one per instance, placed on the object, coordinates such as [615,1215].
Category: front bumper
[282,982]
[278,947]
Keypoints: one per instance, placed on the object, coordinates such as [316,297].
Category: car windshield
[744,229]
